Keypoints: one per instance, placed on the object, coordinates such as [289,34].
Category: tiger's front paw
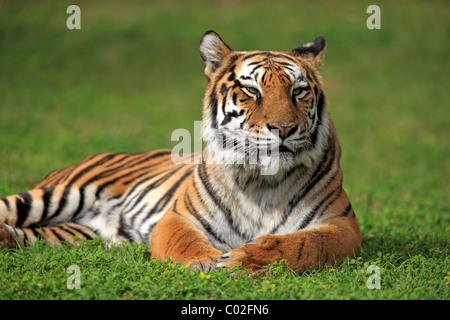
[203,264]
[254,256]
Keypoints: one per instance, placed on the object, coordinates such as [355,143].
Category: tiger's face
[263,108]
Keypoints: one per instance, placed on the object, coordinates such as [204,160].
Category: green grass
[133,74]
[126,272]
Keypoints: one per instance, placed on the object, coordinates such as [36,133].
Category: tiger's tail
[41,213]
[13,237]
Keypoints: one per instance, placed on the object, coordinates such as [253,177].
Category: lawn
[133,74]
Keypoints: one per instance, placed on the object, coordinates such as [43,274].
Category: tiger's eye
[252,90]
[297,91]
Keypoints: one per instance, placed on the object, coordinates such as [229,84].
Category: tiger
[267,187]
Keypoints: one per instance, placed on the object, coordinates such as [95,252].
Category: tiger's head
[263,109]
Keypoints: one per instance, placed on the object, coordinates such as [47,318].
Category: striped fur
[269,187]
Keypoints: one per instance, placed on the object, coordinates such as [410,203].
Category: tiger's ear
[213,51]
[312,51]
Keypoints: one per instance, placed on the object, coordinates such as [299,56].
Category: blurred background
[132,74]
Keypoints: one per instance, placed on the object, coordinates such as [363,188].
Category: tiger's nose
[284,130]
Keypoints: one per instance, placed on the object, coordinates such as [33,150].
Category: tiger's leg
[177,237]
[13,237]
[312,248]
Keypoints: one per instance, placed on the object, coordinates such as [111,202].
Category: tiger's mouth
[254,150]
[284,149]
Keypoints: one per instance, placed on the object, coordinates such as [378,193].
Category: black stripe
[138,198]
[232,75]
[321,170]
[283,56]
[57,234]
[137,159]
[130,165]
[316,91]
[59,177]
[113,171]
[257,62]
[223,89]
[51,176]
[162,201]
[309,77]
[206,225]
[324,170]
[48,192]
[247,77]
[23,206]
[314,211]
[263,78]
[66,229]
[230,115]
[203,175]
[213,107]
[186,246]
[135,186]
[123,230]
[324,209]
[26,239]
[234,100]
[230,68]
[269,54]
[202,202]
[63,201]
[112,181]
[287,66]
[80,201]
[86,235]
[254,55]
[248,116]
[320,108]
[130,160]
[174,208]
[35,233]
[300,249]
[166,198]
[125,157]
[346,211]
[6,201]
[255,68]
[284,78]
[157,155]
[224,102]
